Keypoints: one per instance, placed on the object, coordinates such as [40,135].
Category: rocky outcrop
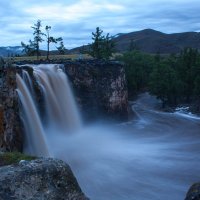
[10,128]
[100,88]
[39,179]
[194,192]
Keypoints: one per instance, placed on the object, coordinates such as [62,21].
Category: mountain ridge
[147,40]
[152,41]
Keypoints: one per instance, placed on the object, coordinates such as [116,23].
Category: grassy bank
[8,158]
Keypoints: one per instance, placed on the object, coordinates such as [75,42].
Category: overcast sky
[74,20]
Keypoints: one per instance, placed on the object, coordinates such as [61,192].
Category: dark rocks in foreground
[48,178]
[194,192]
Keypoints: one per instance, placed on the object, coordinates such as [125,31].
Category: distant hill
[148,40]
[10,51]
[151,41]
[17,50]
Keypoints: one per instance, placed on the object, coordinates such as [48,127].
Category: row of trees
[173,79]
[33,47]
[177,78]
[102,46]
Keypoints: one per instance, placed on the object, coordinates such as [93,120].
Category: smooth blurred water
[60,112]
[155,156]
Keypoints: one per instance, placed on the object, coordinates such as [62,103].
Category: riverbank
[191,109]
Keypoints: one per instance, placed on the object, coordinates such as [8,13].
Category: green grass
[9,158]
[51,57]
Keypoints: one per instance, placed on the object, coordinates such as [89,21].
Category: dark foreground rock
[39,179]
[194,192]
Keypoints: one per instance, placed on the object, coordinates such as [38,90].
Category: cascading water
[153,157]
[61,112]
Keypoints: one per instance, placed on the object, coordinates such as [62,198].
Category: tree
[108,47]
[37,36]
[197,87]
[96,46]
[50,39]
[61,48]
[102,47]
[165,84]
[28,49]
[138,66]
[34,46]
[187,64]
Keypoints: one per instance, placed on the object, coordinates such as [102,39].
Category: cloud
[73,12]
[74,20]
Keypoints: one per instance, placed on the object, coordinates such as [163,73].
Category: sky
[75,20]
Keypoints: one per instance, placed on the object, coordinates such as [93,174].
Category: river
[155,156]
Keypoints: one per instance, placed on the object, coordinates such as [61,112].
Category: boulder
[46,178]
[194,192]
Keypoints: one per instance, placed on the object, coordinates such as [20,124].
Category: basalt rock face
[100,88]
[194,192]
[39,179]
[10,127]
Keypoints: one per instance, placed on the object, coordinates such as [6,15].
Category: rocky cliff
[100,88]
[10,126]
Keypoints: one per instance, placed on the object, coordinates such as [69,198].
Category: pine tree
[96,47]
[61,48]
[50,39]
[37,36]
[108,47]
[102,47]
[28,49]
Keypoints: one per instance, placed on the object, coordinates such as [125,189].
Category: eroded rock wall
[100,88]
[10,126]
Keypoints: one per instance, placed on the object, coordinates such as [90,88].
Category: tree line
[33,46]
[102,46]
[174,79]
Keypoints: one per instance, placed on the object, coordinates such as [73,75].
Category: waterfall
[60,113]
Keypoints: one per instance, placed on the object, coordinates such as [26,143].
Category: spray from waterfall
[60,113]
